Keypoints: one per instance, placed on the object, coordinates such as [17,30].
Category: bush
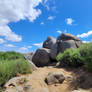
[12,63]
[59,56]
[10,55]
[86,54]
[9,69]
[77,57]
[70,58]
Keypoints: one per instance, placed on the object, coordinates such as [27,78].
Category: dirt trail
[36,80]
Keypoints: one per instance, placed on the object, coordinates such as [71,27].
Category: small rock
[69,78]
[53,78]
[27,87]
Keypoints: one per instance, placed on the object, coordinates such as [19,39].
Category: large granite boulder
[63,45]
[49,42]
[53,51]
[65,41]
[41,57]
[67,36]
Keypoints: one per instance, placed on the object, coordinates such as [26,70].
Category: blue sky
[26,24]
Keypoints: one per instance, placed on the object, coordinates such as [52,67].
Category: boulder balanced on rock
[51,47]
[66,41]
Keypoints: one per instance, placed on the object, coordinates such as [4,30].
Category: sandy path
[36,80]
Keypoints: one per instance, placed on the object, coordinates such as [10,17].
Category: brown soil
[81,80]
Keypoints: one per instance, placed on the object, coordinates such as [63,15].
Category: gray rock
[67,36]
[13,82]
[53,51]
[53,78]
[27,87]
[41,57]
[63,45]
[69,78]
[15,89]
[49,42]
[67,40]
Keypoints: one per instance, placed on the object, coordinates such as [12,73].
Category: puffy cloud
[16,10]
[84,35]
[2,41]
[69,21]
[51,18]
[59,31]
[9,45]
[38,44]
[6,32]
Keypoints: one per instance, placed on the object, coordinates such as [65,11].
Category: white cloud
[84,35]
[6,32]
[38,44]
[14,11]
[69,21]
[51,18]
[59,31]
[9,45]
[42,23]
[2,41]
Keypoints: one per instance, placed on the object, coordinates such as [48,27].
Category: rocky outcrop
[25,84]
[56,77]
[49,42]
[41,57]
[51,47]
[63,45]
[67,36]
[66,41]
[53,51]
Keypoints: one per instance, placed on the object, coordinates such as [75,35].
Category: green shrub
[77,57]
[9,69]
[59,56]
[86,54]
[10,55]
[70,58]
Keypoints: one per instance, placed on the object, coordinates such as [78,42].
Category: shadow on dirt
[82,78]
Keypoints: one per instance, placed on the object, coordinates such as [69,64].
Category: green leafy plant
[81,56]
[12,63]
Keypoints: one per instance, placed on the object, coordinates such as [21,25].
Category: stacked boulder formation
[51,47]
